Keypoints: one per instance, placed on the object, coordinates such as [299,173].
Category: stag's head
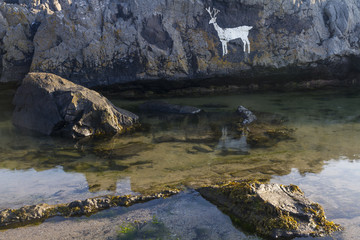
[213,14]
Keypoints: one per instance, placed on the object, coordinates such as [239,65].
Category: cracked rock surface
[271,210]
[104,42]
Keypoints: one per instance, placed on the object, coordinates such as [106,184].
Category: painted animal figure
[228,34]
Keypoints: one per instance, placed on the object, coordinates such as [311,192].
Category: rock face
[104,42]
[49,104]
[272,210]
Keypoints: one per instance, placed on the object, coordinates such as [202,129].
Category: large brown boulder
[49,104]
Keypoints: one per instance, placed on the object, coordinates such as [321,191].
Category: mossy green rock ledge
[271,210]
[11,218]
[51,105]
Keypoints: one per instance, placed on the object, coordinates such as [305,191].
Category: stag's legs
[248,44]
[244,43]
[224,47]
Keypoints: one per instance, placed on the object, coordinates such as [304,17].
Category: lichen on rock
[271,210]
[10,218]
[97,43]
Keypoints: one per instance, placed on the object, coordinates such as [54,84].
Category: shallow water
[322,155]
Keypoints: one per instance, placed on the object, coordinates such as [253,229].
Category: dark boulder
[164,107]
[49,104]
[271,210]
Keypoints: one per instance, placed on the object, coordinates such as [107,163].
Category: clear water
[322,157]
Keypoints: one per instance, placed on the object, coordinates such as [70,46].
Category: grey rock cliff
[104,42]
[48,104]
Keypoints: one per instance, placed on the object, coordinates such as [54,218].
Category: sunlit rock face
[104,42]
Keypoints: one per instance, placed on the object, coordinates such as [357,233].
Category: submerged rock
[267,135]
[271,210]
[10,218]
[164,107]
[49,104]
[246,129]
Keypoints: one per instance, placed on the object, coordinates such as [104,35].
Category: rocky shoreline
[271,210]
[10,218]
[154,49]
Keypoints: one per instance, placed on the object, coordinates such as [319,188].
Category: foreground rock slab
[49,104]
[10,218]
[271,210]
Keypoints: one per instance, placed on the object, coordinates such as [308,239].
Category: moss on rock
[271,210]
[10,218]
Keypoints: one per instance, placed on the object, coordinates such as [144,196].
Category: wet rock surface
[51,105]
[10,218]
[246,115]
[271,210]
[258,130]
[199,220]
[109,42]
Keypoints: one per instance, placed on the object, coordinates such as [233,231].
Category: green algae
[11,218]
[254,209]
[320,219]
[154,229]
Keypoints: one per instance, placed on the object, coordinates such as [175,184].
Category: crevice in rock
[123,13]
[154,33]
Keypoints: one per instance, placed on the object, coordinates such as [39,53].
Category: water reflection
[227,143]
[20,187]
[181,150]
[336,188]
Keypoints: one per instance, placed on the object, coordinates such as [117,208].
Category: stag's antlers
[215,12]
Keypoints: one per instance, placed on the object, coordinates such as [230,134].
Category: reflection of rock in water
[201,128]
[227,143]
[121,186]
[190,149]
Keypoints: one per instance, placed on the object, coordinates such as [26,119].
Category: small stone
[203,148]
[246,115]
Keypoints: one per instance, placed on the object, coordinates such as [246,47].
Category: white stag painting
[228,34]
